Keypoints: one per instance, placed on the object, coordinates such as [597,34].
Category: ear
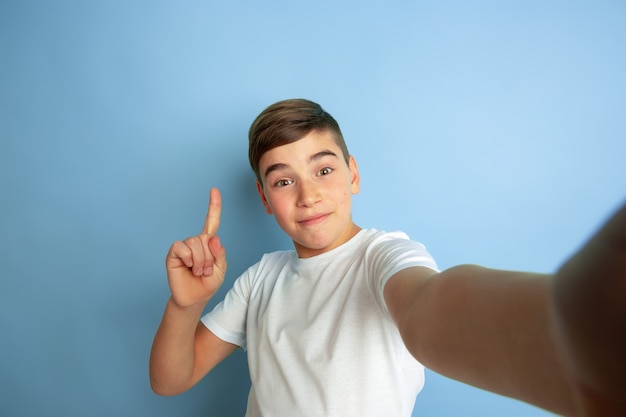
[355,179]
[259,189]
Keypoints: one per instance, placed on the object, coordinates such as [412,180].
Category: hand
[196,266]
[590,312]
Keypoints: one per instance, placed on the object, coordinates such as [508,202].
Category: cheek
[277,205]
[345,197]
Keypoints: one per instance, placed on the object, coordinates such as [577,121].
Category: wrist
[187,309]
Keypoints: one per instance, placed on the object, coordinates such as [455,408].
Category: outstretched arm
[484,327]
[553,341]
[589,294]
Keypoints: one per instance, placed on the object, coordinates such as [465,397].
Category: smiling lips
[313,220]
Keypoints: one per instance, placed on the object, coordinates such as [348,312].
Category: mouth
[313,220]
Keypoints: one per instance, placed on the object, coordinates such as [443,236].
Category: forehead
[301,150]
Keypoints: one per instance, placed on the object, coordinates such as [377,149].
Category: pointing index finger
[212,221]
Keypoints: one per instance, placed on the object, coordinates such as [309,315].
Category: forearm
[490,329]
[172,360]
[590,312]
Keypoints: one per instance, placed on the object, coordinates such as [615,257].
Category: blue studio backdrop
[491,131]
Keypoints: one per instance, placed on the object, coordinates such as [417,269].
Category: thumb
[219,252]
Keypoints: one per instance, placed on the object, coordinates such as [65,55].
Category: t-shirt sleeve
[391,253]
[227,320]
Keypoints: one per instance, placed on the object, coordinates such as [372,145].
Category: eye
[283,183]
[324,171]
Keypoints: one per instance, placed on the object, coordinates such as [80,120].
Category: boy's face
[308,187]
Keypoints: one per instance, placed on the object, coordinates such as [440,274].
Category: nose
[308,194]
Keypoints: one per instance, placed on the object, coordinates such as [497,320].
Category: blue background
[494,132]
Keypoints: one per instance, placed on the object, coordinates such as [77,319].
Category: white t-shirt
[320,340]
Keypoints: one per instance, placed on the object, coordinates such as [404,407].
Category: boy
[343,325]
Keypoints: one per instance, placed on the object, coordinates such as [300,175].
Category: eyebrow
[312,158]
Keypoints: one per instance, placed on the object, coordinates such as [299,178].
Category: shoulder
[380,240]
[395,249]
[269,264]
[282,257]
[259,274]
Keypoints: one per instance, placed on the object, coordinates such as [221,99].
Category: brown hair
[288,121]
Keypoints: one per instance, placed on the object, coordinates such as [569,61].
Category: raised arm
[184,350]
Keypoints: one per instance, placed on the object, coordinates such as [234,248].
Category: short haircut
[286,122]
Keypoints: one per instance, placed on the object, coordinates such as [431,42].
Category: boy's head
[288,121]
